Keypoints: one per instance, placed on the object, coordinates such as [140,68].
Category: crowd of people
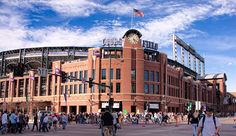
[16,122]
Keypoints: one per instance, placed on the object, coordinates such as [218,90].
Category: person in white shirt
[45,123]
[209,125]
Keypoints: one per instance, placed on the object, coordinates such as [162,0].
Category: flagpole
[132,18]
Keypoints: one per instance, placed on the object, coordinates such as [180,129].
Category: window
[80,74]
[111,87]
[37,86]
[152,89]
[86,74]
[75,89]
[62,89]
[133,74]
[146,76]
[152,76]
[27,91]
[71,74]
[66,89]
[117,73]
[111,73]
[6,90]
[21,88]
[71,89]
[92,90]
[76,75]
[55,90]
[80,88]
[93,73]
[67,79]
[117,87]
[146,88]
[43,86]
[133,88]
[102,88]
[103,73]
[49,85]
[157,89]
[85,88]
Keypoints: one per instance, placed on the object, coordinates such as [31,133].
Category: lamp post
[166,83]
[110,106]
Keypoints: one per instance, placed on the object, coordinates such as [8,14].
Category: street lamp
[110,104]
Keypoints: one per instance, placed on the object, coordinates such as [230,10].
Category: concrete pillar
[174,48]
[189,60]
[199,67]
[203,68]
[182,55]
[194,64]
[68,109]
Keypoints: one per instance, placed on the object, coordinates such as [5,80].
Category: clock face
[133,38]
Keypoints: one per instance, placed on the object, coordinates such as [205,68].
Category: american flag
[138,13]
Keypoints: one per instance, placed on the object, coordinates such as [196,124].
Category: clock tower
[133,56]
[132,38]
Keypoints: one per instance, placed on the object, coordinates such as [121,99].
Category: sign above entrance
[153,106]
[112,42]
[116,105]
[150,45]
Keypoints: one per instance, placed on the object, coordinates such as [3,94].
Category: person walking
[64,119]
[41,118]
[55,121]
[4,123]
[13,121]
[27,121]
[107,123]
[115,122]
[45,123]
[20,122]
[209,125]
[35,123]
[194,120]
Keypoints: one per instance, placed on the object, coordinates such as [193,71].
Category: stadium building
[140,77]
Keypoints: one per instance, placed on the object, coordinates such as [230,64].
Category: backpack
[203,121]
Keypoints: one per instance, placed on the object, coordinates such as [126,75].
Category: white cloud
[218,43]
[161,30]
[224,7]
[230,63]
[221,59]
[71,7]
[178,18]
[220,63]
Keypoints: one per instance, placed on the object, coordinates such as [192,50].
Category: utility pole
[110,105]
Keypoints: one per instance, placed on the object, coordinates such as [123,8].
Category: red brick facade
[137,79]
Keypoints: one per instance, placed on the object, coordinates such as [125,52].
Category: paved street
[135,130]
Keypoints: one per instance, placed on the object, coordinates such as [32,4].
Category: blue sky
[208,25]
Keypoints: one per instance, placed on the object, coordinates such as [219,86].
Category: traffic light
[90,82]
[190,106]
[63,76]
[18,71]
